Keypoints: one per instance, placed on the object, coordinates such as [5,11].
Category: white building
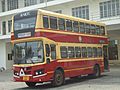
[107,11]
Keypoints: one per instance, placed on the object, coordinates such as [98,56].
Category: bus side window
[53,22]
[61,23]
[75,26]
[84,52]
[68,25]
[94,52]
[99,52]
[82,27]
[53,51]
[87,28]
[102,30]
[47,50]
[45,22]
[92,29]
[98,30]
[89,51]
[78,52]
[71,53]
[63,52]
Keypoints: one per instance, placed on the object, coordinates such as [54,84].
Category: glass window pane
[45,22]
[63,51]
[71,53]
[61,23]
[82,27]
[68,25]
[78,52]
[53,22]
[75,26]
[53,51]
[84,52]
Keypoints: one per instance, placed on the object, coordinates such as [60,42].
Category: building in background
[106,11]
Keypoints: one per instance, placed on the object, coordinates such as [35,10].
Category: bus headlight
[39,72]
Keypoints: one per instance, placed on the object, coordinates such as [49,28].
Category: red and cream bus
[51,47]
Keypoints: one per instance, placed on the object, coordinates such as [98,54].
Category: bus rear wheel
[30,84]
[97,72]
[58,78]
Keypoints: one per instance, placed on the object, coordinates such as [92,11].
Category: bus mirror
[48,60]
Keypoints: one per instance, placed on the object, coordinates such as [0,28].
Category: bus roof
[49,13]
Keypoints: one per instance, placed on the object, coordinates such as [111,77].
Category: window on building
[9,25]
[77,52]
[58,11]
[45,22]
[61,23]
[53,22]
[75,26]
[12,4]
[71,53]
[4,28]
[49,0]
[82,27]
[30,2]
[53,51]
[63,51]
[81,12]
[69,25]
[95,52]
[109,8]
[41,1]
[89,51]
[84,52]
[3,5]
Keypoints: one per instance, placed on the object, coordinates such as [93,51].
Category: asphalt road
[108,81]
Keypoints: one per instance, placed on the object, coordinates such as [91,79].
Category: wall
[9,63]
[2,54]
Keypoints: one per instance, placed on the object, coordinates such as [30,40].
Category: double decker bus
[51,47]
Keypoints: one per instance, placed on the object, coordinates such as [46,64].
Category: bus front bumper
[29,78]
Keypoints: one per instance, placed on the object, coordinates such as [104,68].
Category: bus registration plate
[27,34]
[26,78]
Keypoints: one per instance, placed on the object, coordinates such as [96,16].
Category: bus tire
[58,78]
[30,84]
[97,71]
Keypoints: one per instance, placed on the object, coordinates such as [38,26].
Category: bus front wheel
[30,84]
[58,78]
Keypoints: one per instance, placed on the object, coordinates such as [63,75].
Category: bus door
[105,55]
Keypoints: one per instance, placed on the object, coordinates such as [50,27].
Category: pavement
[108,81]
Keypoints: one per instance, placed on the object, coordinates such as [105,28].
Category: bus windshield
[25,23]
[28,53]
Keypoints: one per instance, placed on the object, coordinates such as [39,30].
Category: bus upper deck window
[87,28]
[75,26]
[102,30]
[53,22]
[61,23]
[82,27]
[98,30]
[69,25]
[92,29]
[45,22]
